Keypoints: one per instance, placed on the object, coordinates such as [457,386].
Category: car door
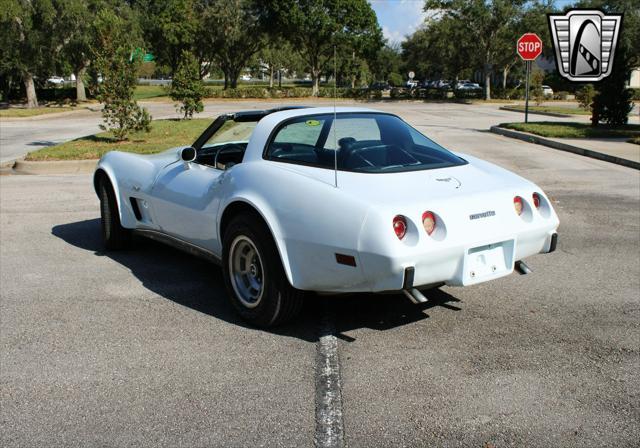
[186,198]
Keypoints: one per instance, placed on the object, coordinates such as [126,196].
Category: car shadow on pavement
[198,284]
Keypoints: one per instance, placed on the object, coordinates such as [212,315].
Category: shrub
[395,79]
[187,87]
[121,113]
[536,91]
[561,95]
[635,94]
[585,96]
[467,94]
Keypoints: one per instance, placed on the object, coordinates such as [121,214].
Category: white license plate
[489,261]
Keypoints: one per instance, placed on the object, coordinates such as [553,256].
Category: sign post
[529,47]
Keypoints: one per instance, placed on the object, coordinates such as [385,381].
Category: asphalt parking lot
[142,348]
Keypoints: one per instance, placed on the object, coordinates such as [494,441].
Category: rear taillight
[518,204]
[400,226]
[429,222]
[536,200]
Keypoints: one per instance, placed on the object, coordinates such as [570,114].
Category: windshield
[232,131]
[365,142]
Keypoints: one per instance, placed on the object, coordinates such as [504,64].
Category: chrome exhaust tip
[522,268]
[415,296]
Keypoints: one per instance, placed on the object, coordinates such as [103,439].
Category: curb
[55,167]
[531,138]
[548,114]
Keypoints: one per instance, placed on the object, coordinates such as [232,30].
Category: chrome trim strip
[179,244]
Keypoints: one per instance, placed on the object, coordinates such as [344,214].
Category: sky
[400,18]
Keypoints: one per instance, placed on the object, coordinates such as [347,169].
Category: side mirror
[188,154]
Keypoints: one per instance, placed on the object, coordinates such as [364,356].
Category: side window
[297,140]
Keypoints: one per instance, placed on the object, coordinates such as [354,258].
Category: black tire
[279,302]
[114,235]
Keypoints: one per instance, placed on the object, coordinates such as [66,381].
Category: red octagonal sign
[529,46]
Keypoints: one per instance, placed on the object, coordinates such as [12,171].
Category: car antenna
[335,119]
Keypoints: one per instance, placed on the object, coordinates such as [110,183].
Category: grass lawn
[146,92]
[635,140]
[565,110]
[575,130]
[18,112]
[164,134]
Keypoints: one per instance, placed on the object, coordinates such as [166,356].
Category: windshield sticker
[313,123]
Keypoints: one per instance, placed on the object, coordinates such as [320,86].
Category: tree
[488,25]
[118,63]
[78,46]
[233,32]
[315,26]
[387,60]
[278,55]
[29,32]
[612,102]
[187,87]
[171,27]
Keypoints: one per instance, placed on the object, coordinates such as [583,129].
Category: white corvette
[327,200]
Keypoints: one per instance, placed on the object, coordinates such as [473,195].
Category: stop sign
[529,46]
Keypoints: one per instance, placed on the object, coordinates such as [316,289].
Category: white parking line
[329,424]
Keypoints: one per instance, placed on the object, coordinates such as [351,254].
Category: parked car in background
[380,85]
[547,91]
[329,200]
[245,77]
[412,84]
[469,86]
[57,80]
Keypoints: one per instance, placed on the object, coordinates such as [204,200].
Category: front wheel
[254,276]
[113,234]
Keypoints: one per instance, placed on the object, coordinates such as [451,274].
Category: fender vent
[136,209]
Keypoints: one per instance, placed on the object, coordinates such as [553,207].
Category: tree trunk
[30,87]
[226,79]
[505,73]
[279,78]
[487,84]
[271,76]
[234,74]
[315,81]
[80,92]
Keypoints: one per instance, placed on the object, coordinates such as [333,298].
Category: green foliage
[561,95]
[170,27]
[612,103]
[395,79]
[635,94]
[574,130]
[314,27]
[585,96]
[234,30]
[187,87]
[113,59]
[535,89]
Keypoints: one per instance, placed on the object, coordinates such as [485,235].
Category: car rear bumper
[455,266]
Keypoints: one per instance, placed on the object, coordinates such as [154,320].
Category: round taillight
[400,226]
[429,222]
[536,200]
[518,204]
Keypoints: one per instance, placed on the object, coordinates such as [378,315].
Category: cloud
[399,18]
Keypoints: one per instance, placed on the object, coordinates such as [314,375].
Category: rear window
[365,142]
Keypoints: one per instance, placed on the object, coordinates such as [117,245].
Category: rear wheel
[254,276]
[114,235]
